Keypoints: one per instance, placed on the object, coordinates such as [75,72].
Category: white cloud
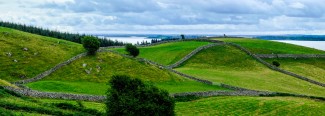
[297,5]
[169,16]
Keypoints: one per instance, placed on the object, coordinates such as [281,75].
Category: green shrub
[91,44]
[132,50]
[276,63]
[132,97]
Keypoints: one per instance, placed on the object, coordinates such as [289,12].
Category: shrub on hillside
[91,44]
[132,97]
[132,50]
[276,63]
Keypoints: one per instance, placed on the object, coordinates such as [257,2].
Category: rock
[98,67]
[87,71]
[25,49]
[15,60]
[9,54]
[84,65]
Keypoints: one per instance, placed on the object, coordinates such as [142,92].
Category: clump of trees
[57,34]
[132,50]
[91,44]
[276,63]
[133,97]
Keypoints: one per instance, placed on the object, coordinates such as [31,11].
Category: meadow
[167,53]
[74,79]
[228,65]
[241,105]
[312,68]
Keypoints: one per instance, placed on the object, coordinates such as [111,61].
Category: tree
[182,36]
[132,50]
[91,44]
[132,97]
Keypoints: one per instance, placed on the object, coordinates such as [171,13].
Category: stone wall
[291,55]
[192,77]
[192,54]
[56,95]
[276,68]
[224,93]
[46,73]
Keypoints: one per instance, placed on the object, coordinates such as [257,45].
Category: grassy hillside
[24,55]
[168,53]
[258,46]
[226,64]
[252,106]
[74,79]
[12,104]
[311,68]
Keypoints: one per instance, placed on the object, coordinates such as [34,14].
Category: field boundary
[48,72]
[194,52]
[290,55]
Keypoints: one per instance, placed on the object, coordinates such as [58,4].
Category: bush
[276,63]
[132,97]
[132,50]
[91,44]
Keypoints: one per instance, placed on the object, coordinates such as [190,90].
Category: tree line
[73,37]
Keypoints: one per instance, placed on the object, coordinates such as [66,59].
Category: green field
[273,106]
[168,53]
[74,79]
[308,67]
[259,46]
[226,64]
[43,53]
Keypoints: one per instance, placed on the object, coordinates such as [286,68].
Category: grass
[168,53]
[43,53]
[259,46]
[288,106]
[5,83]
[74,79]
[226,64]
[87,104]
[308,67]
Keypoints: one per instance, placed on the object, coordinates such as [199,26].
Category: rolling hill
[75,79]
[24,55]
[226,64]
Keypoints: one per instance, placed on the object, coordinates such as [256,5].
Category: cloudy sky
[170,16]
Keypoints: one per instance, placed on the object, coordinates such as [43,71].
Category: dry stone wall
[291,55]
[192,54]
[46,73]
[55,95]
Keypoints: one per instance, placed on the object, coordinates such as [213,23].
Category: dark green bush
[132,97]
[132,50]
[276,63]
[91,44]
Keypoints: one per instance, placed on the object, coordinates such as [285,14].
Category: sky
[236,17]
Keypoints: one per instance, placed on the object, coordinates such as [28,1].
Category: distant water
[312,44]
[132,40]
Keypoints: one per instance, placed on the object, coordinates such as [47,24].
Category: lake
[132,40]
[312,44]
